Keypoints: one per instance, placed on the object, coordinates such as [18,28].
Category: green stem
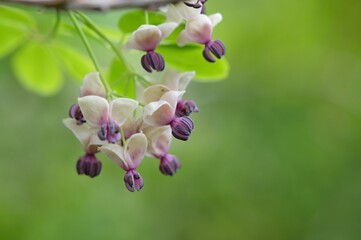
[92,26]
[146,17]
[54,30]
[89,50]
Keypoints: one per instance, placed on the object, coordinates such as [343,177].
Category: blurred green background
[275,154]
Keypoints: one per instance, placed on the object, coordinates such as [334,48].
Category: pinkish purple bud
[89,165]
[185,108]
[110,131]
[152,61]
[169,164]
[182,127]
[75,112]
[217,48]
[133,180]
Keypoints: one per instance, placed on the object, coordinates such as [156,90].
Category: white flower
[92,85]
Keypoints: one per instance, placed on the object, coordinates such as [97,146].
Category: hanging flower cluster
[126,130]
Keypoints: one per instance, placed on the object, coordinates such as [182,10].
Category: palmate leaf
[120,81]
[14,24]
[36,69]
[190,58]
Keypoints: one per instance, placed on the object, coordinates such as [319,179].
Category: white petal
[159,139]
[183,38]
[92,85]
[154,93]
[178,81]
[82,132]
[94,109]
[147,37]
[199,29]
[167,28]
[135,149]
[172,14]
[158,113]
[115,153]
[215,18]
[187,12]
[122,108]
[131,44]
[94,144]
[172,98]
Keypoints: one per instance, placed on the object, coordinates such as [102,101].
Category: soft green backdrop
[275,155]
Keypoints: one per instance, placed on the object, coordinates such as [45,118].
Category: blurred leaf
[172,39]
[120,81]
[11,38]
[131,20]
[76,63]
[15,17]
[36,69]
[190,58]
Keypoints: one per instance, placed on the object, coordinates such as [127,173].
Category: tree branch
[102,5]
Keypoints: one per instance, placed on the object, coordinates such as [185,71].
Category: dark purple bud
[133,180]
[75,112]
[169,165]
[185,108]
[182,127]
[89,165]
[110,131]
[217,48]
[153,61]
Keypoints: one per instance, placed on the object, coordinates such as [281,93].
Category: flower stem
[92,26]
[146,17]
[89,50]
[55,28]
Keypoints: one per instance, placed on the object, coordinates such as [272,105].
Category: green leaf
[120,81]
[190,58]
[36,69]
[11,39]
[16,17]
[75,63]
[130,21]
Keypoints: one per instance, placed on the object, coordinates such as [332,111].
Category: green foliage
[131,20]
[120,81]
[16,17]
[35,67]
[190,58]
[75,63]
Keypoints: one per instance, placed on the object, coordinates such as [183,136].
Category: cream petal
[135,149]
[82,132]
[147,37]
[94,144]
[122,108]
[183,38]
[199,29]
[131,44]
[159,139]
[92,85]
[178,81]
[95,109]
[172,98]
[215,18]
[158,113]
[115,153]
[187,12]
[167,28]
[172,14]
[154,93]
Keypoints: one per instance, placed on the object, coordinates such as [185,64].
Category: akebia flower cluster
[126,130]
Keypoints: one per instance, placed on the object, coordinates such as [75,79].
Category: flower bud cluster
[126,130]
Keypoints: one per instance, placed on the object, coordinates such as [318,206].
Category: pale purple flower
[146,38]
[129,157]
[107,117]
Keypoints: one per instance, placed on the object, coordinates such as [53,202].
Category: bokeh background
[275,154]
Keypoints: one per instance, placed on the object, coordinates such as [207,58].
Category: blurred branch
[102,5]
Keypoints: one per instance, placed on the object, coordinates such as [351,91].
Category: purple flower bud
[89,165]
[152,60]
[217,48]
[133,180]
[75,112]
[109,131]
[169,164]
[182,127]
[186,107]
[197,4]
